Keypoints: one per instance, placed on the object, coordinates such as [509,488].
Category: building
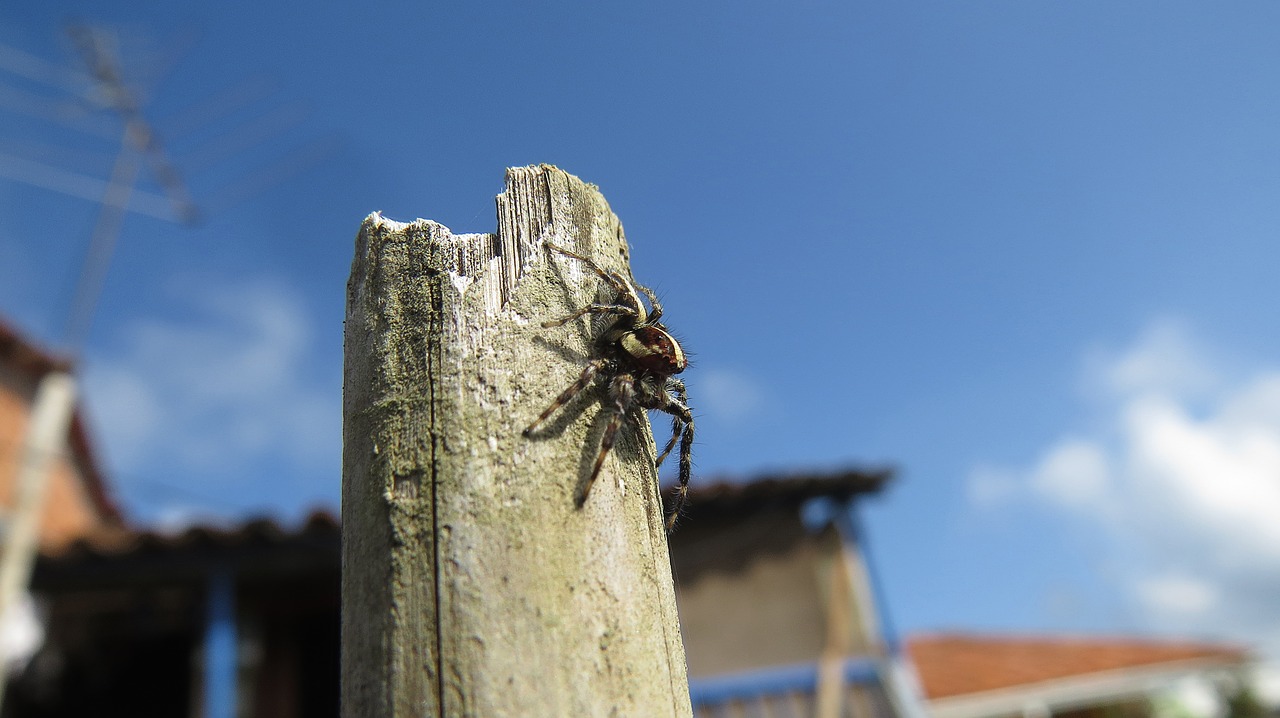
[776,597]
[77,500]
[153,624]
[778,602]
[774,594]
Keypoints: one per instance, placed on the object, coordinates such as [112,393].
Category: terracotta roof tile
[959,664]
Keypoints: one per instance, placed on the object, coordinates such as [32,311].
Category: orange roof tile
[960,664]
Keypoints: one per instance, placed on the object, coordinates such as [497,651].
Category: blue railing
[778,680]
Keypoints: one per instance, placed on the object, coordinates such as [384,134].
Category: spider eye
[655,350]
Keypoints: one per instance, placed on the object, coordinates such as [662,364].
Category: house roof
[958,664]
[965,675]
[721,497]
[718,499]
[729,525]
[256,546]
[26,358]
[737,497]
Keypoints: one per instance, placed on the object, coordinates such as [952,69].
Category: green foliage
[1241,701]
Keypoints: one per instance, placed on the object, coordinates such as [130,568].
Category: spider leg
[653,302]
[686,469]
[592,309]
[676,422]
[682,414]
[567,395]
[614,280]
[676,426]
[623,391]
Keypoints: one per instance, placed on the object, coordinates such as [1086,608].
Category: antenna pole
[54,403]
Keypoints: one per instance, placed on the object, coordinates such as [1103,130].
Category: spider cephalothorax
[639,357]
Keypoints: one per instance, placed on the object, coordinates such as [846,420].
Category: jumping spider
[639,358]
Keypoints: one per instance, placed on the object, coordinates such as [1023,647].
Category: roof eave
[1079,691]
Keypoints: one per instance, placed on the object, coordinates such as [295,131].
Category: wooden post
[472,585]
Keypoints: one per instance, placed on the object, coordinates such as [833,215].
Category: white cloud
[224,385]
[728,395]
[1075,473]
[991,486]
[1183,478]
[1176,596]
[1220,475]
[1162,360]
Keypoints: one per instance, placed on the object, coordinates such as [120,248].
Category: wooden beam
[472,582]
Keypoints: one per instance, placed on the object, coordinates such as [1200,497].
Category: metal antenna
[99,54]
[55,398]
[103,84]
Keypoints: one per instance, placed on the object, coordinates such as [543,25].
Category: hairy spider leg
[613,278]
[623,392]
[653,302]
[686,471]
[624,287]
[676,422]
[567,395]
[681,414]
[592,309]
[676,426]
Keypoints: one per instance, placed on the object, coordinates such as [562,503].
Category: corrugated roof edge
[789,489]
[725,495]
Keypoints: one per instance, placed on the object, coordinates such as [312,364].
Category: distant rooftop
[722,498]
[735,496]
[951,665]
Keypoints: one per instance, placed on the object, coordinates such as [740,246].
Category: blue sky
[1022,251]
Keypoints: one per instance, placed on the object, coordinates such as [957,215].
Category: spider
[639,358]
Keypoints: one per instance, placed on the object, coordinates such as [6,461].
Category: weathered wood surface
[472,584]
